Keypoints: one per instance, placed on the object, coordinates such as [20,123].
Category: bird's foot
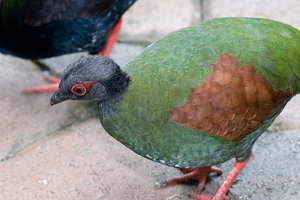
[111,40]
[223,189]
[199,174]
[233,173]
[204,197]
[52,87]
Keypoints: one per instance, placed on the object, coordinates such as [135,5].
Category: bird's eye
[78,89]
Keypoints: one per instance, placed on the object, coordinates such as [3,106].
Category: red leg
[52,79]
[221,192]
[199,174]
[45,88]
[112,38]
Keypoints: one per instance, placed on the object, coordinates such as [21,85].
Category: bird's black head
[94,78]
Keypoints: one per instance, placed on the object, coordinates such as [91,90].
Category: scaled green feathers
[164,74]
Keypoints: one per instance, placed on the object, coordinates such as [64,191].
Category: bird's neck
[117,88]
[110,105]
[117,84]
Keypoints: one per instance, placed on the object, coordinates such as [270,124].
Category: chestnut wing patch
[232,102]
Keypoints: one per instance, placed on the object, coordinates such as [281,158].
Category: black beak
[58,97]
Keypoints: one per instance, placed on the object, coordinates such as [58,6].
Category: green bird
[197,97]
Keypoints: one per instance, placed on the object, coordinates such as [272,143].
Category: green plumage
[164,74]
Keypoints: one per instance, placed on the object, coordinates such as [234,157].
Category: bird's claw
[204,197]
[52,87]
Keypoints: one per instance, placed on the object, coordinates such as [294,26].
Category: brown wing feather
[232,102]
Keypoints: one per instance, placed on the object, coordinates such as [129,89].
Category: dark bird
[197,97]
[36,29]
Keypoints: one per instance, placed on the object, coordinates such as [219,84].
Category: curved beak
[58,97]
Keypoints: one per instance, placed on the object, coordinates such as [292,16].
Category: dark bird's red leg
[111,40]
[52,87]
[201,174]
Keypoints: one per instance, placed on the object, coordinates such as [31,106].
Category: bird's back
[44,28]
[167,74]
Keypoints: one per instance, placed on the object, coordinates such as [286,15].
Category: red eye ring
[78,89]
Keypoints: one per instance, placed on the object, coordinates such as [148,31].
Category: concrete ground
[63,153]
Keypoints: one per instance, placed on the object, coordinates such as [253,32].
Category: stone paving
[62,152]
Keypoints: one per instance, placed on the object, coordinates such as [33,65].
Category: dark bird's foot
[200,174]
[52,87]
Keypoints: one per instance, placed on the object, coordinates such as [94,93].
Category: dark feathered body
[45,28]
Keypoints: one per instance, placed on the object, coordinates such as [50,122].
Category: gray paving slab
[27,118]
[274,171]
[286,11]
[83,163]
[148,20]
[122,53]
[289,118]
